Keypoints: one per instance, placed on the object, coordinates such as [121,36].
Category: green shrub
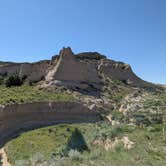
[148,119]
[105,130]
[128,128]
[118,147]
[141,119]
[13,80]
[155,128]
[116,115]
[74,155]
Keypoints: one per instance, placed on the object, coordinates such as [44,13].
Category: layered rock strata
[20,117]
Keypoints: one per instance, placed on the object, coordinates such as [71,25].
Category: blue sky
[133,31]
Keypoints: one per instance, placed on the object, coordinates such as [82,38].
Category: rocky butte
[108,103]
[85,73]
[81,71]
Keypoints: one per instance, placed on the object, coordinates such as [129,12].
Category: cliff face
[81,71]
[33,71]
[85,69]
[68,68]
[19,117]
[122,72]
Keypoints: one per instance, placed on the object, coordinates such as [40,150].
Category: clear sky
[133,31]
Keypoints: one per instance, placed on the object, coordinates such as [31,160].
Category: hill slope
[132,112]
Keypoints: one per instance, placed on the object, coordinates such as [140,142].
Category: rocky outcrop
[34,72]
[73,73]
[90,56]
[121,71]
[81,72]
[69,69]
[14,118]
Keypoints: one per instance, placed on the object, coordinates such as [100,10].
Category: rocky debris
[127,143]
[94,103]
[132,101]
[110,119]
[143,108]
[4,157]
[109,144]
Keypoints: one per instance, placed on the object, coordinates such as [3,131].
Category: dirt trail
[4,158]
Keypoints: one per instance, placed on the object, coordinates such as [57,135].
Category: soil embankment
[22,117]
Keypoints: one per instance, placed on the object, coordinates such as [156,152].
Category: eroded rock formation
[84,72]
[20,117]
[68,68]
[121,71]
[81,71]
[33,71]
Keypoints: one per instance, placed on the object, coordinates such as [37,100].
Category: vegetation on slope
[52,145]
[115,90]
[27,94]
[145,108]
[74,144]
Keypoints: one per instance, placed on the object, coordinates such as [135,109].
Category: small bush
[107,131]
[74,154]
[118,147]
[155,128]
[13,80]
[128,128]
[116,115]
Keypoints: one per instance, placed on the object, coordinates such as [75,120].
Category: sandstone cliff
[33,71]
[20,117]
[84,71]
[79,72]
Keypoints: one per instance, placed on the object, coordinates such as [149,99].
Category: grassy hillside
[73,145]
[26,94]
[140,114]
